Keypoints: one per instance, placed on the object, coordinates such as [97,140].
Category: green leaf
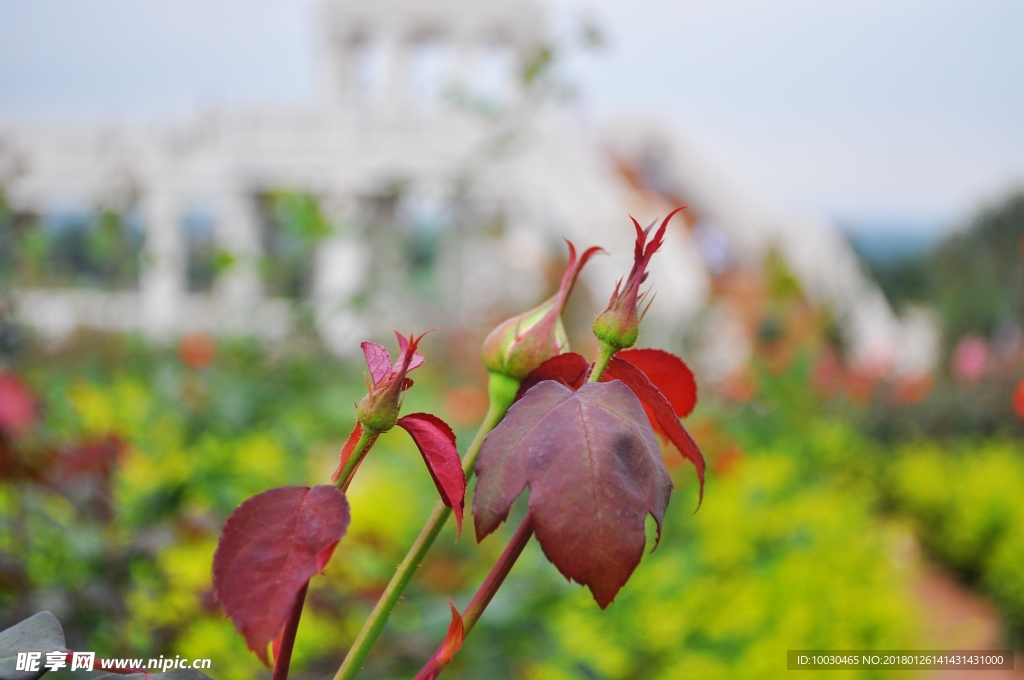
[39,633]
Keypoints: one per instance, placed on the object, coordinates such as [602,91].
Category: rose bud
[618,326]
[378,410]
[522,343]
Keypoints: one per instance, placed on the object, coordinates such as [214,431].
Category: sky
[881,114]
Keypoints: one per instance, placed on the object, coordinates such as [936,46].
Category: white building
[423,131]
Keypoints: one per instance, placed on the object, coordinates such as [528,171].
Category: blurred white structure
[734,225]
[383,146]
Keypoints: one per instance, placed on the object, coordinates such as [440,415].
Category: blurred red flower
[970,356]
[197,350]
[911,389]
[17,405]
[1018,399]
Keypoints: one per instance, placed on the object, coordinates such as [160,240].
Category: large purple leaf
[592,464]
[272,544]
[661,381]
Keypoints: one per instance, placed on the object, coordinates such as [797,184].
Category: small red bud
[378,410]
[619,324]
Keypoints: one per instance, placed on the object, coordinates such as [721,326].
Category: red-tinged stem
[484,595]
[284,654]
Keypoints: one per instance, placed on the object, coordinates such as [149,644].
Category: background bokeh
[848,505]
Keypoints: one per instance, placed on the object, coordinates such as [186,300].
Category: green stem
[607,352]
[382,610]
[366,440]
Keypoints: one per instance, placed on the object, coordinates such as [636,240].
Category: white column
[463,66]
[339,270]
[337,69]
[239,289]
[397,84]
[162,280]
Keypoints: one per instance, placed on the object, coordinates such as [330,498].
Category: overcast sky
[875,112]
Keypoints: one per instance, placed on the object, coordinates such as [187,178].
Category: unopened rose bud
[378,410]
[618,326]
[522,343]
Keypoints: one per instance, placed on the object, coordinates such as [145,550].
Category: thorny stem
[486,592]
[382,610]
[366,440]
[607,352]
[284,654]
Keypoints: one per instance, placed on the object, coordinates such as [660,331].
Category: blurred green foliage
[769,563]
[293,226]
[973,282]
[951,411]
[137,579]
[963,494]
[968,501]
[100,248]
[786,551]
[979,273]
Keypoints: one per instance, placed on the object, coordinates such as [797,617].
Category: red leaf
[17,405]
[594,470]
[570,369]
[668,373]
[378,360]
[436,443]
[657,405]
[270,547]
